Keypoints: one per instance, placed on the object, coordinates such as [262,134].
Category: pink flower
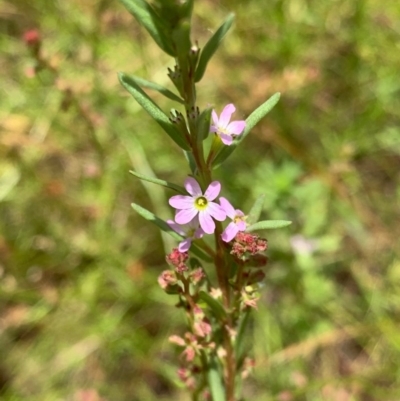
[238,220]
[190,230]
[31,37]
[223,127]
[198,205]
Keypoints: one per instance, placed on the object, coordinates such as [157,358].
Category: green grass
[80,307]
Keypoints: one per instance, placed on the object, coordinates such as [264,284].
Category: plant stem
[221,266]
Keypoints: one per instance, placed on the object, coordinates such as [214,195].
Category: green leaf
[181,38]
[211,47]
[240,342]
[268,225]
[259,113]
[144,83]
[144,100]
[255,211]
[215,381]
[163,225]
[200,253]
[149,19]
[191,161]
[251,121]
[187,9]
[156,220]
[203,124]
[214,305]
[163,183]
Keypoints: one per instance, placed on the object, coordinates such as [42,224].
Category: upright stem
[222,268]
[223,280]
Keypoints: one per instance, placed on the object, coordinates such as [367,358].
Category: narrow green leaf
[215,381]
[211,47]
[163,183]
[203,124]
[200,253]
[268,225]
[240,341]
[181,38]
[163,225]
[214,305]
[144,83]
[156,220]
[187,9]
[142,166]
[144,100]
[191,161]
[259,113]
[255,211]
[251,121]
[149,19]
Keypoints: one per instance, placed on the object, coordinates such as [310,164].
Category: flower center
[222,130]
[201,203]
[237,219]
[190,232]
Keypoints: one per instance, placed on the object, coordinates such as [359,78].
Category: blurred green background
[81,315]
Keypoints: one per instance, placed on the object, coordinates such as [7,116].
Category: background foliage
[81,315]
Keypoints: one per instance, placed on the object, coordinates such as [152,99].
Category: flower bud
[32,40]
[197,276]
[178,259]
[169,283]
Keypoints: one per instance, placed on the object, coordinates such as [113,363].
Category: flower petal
[176,227]
[181,201]
[228,208]
[199,233]
[236,127]
[213,128]
[216,211]
[184,245]
[230,232]
[226,114]
[226,139]
[206,222]
[194,224]
[241,225]
[186,215]
[239,213]
[214,117]
[213,190]
[193,187]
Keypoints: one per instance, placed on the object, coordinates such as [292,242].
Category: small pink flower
[166,278]
[223,126]
[31,37]
[191,231]
[238,220]
[177,340]
[198,205]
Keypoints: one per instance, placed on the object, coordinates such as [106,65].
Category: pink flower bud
[32,37]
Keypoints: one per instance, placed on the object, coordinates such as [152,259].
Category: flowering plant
[213,359]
